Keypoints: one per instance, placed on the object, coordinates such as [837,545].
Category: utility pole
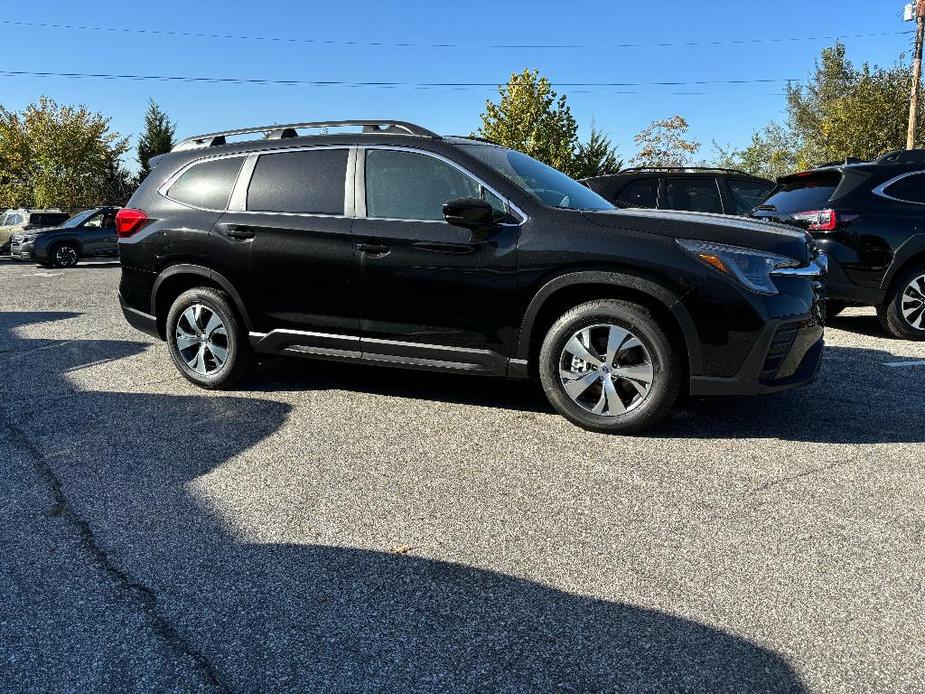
[916,74]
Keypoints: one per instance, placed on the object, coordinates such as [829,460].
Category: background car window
[692,194]
[47,219]
[910,189]
[14,219]
[310,182]
[641,193]
[94,222]
[208,184]
[747,195]
[803,192]
[404,185]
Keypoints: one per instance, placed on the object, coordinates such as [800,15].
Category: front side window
[406,185]
[307,182]
[639,194]
[692,195]
[909,189]
[94,222]
[207,185]
[747,195]
[543,183]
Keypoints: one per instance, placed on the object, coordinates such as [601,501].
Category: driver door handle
[375,250]
[234,231]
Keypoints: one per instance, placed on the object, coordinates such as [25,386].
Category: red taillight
[818,220]
[128,221]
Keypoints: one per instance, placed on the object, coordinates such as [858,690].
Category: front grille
[780,347]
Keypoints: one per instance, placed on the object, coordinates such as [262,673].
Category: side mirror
[469,213]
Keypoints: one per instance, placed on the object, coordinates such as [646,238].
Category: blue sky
[727,113]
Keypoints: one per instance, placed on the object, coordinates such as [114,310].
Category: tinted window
[208,184]
[47,218]
[803,193]
[540,181]
[309,182]
[404,185]
[641,193]
[910,188]
[692,194]
[747,195]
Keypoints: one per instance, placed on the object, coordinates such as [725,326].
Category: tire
[833,308]
[215,357]
[64,255]
[903,314]
[642,351]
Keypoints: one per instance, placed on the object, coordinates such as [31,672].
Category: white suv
[14,221]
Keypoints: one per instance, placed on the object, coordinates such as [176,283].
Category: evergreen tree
[156,139]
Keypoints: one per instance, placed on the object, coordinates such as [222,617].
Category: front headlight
[748,266]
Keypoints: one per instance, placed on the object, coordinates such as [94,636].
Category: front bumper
[20,250]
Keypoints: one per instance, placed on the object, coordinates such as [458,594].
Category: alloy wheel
[606,370]
[66,256]
[913,303]
[202,340]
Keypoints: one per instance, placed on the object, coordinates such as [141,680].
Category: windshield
[542,182]
[79,218]
[802,193]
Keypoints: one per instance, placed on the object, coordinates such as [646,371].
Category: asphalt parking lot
[338,529]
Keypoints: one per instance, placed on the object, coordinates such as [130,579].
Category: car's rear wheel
[207,340]
[608,366]
[903,315]
[64,255]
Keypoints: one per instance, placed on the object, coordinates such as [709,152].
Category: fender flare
[666,297]
[911,247]
[208,273]
[51,243]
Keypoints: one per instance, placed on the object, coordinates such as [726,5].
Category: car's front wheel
[64,255]
[903,315]
[207,340]
[608,366]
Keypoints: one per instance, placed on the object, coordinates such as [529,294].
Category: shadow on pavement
[332,619]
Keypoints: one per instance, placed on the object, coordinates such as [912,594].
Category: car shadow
[309,617]
[860,324]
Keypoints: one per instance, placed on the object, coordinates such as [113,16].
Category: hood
[717,228]
[42,230]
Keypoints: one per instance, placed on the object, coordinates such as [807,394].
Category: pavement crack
[805,473]
[126,583]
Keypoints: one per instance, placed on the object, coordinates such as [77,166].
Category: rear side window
[747,195]
[803,193]
[207,185]
[693,195]
[908,189]
[641,193]
[47,218]
[403,185]
[310,182]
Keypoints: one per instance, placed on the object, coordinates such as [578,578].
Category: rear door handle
[233,231]
[376,250]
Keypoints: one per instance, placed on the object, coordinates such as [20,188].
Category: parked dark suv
[719,191]
[869,218]
[88,234]
[398,247]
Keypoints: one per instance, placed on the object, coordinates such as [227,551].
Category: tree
[596,157]
[664,143]
[532,118]
[56,156]
[773,152]
[157,138]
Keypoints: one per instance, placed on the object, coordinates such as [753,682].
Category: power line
[377,84]
[403,44]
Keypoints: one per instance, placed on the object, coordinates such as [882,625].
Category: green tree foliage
[57,156]
[157,138]
[532,118]
[596,157]
[665,143]
[842,111]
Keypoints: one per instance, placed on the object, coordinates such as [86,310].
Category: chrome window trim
[361,185]
[881,189]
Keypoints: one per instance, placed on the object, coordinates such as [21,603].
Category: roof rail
[847,161]
[279,132]
[901,156]
[692,169]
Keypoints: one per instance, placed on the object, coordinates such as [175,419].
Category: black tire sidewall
[891,314]
[238,353]
[636,319]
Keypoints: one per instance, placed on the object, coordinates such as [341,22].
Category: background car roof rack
[280,132]
[691,169]
[902,156]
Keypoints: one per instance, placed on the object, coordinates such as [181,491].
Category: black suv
[398,247]
[719,191]
[869,218]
